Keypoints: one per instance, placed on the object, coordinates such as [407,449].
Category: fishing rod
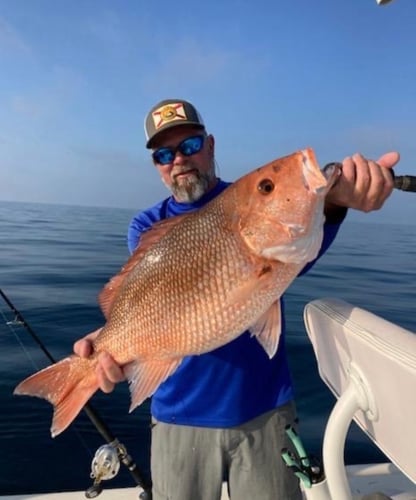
[405,182]
[106,462]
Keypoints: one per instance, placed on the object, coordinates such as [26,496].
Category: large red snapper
[198,281]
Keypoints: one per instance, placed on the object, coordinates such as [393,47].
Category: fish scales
[192,285]
[198,281]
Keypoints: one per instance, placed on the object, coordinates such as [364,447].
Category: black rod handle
[405,182]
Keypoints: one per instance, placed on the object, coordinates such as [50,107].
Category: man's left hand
[363,184]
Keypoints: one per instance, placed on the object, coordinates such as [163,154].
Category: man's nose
[179,158]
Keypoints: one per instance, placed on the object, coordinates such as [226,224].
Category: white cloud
[25,106]
[108,159]
[37,105]
[187,62]
[106,26]
[11,40]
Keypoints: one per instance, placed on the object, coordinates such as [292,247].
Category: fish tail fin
[67,385]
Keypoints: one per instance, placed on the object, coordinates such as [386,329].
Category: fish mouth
[319,181]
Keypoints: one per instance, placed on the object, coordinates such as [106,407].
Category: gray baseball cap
[170,113]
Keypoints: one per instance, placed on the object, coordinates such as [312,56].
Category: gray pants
[190,463]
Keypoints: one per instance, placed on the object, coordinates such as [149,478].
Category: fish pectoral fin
[267,329]
[145,377]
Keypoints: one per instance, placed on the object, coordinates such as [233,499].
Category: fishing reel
[105,465]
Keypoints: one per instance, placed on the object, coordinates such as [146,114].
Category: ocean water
[53,262]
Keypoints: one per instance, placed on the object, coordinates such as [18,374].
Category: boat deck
[364,481]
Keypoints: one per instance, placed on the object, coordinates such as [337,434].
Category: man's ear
[211,143]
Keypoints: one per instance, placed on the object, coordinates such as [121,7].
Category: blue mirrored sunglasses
[188,147]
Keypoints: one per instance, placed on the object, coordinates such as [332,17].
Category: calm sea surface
[53,262]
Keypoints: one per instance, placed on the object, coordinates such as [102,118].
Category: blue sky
[269,77]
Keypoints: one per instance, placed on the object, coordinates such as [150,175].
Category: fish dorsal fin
[267,329]
[108,294]
[145,377]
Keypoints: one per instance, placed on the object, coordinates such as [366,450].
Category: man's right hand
[108,371]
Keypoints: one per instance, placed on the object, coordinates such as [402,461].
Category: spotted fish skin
[198,281]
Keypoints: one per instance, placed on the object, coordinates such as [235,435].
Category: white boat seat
[370,366]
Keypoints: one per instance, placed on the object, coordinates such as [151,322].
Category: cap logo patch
[168,113]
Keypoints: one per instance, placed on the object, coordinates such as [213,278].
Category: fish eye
[266,186]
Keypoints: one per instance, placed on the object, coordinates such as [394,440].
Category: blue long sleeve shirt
[234,383]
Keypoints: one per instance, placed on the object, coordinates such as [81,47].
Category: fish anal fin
[145,377]
[67,385]
[108,294]
[267,329]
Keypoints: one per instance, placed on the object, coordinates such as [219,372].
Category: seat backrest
[345,337]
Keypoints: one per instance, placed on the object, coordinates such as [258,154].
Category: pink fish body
[198,281]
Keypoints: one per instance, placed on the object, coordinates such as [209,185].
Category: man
[222,415]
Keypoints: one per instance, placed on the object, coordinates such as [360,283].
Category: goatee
[191,188]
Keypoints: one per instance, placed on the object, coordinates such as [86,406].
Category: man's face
[187,177]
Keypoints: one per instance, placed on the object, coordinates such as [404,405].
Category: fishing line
[11,324]
[101,462]
[16,322]
[103,456]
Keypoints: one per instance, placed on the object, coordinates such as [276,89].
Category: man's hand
[364,184]
[108,371]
